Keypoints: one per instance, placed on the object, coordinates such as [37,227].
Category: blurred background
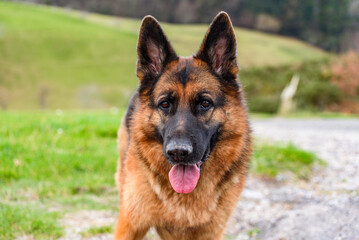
[67,71]
[80,54]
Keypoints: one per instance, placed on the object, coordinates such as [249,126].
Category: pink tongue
[184,178]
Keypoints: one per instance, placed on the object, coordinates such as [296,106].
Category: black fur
[151,34]
[183,74]
[130,110]
[221,28]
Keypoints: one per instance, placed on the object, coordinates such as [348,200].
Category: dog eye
[205,104]
[164,105]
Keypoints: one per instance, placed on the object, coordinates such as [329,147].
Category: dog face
[188,108]
[187,99]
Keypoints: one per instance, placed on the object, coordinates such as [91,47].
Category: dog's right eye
[164,105]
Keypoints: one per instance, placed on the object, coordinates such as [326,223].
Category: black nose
[178,150]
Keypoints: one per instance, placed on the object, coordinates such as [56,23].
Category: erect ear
[218,48]
[153,49]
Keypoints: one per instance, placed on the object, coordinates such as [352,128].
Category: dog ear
[218,48]
[153,49]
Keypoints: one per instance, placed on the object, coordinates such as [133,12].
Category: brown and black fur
[172,102]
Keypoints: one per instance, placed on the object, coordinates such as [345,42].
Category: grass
[93,231]
[57,154]
[31,220]
[78,60]
[270,160]
[253,233]
[53,162]
[65,159]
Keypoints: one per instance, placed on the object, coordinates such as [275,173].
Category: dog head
[186,100]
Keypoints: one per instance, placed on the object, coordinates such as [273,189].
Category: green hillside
[65,59]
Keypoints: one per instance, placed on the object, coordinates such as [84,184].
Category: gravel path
[325,207]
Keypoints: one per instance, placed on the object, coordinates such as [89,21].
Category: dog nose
[179,150]
[178,153]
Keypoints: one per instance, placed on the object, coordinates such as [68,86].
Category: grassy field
[55,162]
[59,161]
[57,58]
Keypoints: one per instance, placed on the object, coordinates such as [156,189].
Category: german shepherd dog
[185,140]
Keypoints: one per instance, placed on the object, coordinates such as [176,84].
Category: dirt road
[325,207]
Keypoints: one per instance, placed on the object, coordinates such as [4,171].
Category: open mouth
[184,177]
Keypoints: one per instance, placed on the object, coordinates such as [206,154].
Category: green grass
[88,61]
[93,231]
[253,233]
[57,154]
[64,161]
[28,220]
[270,160]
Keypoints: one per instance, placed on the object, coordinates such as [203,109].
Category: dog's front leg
[127,231]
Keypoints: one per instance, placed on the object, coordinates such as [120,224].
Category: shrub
[317,95]
[345,73]
[267,104]
[315,90]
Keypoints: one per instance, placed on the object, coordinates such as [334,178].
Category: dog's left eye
[164,104]
[205,104]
